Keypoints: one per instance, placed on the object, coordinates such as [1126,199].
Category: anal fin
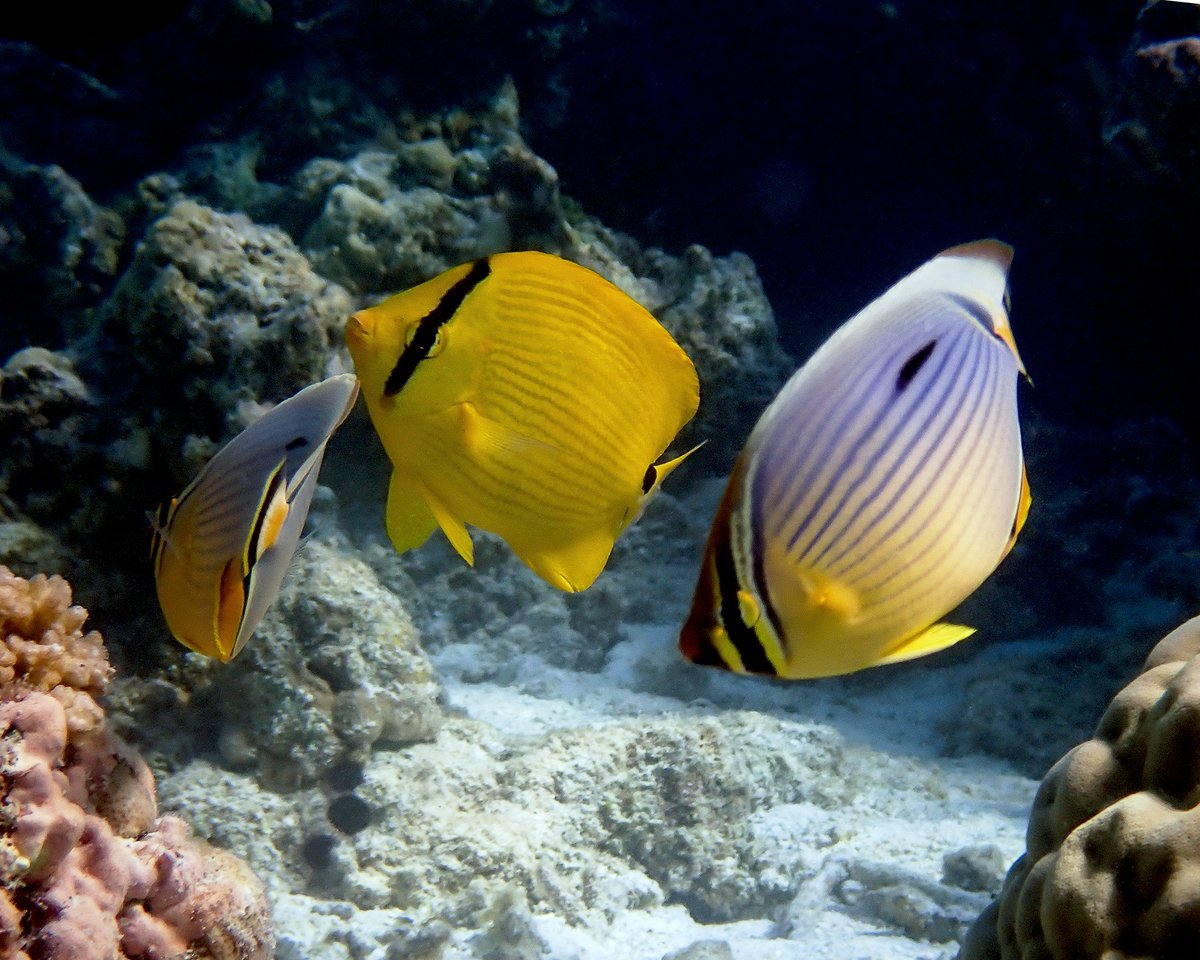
[454,529]
[571,567]
[930,640]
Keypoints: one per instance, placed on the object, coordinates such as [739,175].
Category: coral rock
[87,869]
[42,645]
[1112,861]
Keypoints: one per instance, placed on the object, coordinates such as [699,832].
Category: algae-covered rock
[333,672]
[44,406]
[217,313]
[59,252]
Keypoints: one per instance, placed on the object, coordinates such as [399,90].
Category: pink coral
[88,870]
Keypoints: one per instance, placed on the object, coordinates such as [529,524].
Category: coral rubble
[88,869]
[1112,859]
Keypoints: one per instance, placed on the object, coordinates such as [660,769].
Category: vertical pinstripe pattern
[882,484]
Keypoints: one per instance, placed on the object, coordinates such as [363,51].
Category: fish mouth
[358,330]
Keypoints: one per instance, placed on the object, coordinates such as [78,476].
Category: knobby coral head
[87,867]
[1112,856]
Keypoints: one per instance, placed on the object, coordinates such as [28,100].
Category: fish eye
[414,330]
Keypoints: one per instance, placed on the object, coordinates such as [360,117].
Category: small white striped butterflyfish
[878,490]
[221,548]
[525,395]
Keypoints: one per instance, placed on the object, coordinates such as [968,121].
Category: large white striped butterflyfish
[525,395]
[221,548]
[878,490]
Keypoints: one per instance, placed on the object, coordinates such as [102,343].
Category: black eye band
[428,326]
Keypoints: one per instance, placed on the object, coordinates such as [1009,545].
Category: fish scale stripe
[822,426]
[603,327]
[934,586]
[594,336]
[913,461]
[508,394]
[532,366]
[632,404]
[514,385]
[911,457]
[931,571]
[227,483]
[959,459]
[900,413]
[813,481]
[798,459]
[500,488]
[969,468]
[927,525]
[826,475]
[425,335]
[785,459]
[614,357]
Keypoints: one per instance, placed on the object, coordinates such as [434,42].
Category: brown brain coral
[1112,862]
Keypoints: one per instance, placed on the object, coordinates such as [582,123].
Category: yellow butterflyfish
[221,548]
[878,490]
[525,395]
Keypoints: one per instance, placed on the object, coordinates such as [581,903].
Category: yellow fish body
[525,395]
[221,548]
[878,490]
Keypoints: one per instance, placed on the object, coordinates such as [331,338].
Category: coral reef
[59,252]
[1112,858]
[87,867]
[44,407]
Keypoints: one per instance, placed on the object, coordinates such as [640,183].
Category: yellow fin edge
[930,640]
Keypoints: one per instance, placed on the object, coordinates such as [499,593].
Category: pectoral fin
[409,518]
[487,438]
[930,640]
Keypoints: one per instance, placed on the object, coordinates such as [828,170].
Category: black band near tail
[427,327]
[743,637]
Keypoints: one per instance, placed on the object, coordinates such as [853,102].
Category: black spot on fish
[649,479]
[426,334]
[295,444]
[913,364]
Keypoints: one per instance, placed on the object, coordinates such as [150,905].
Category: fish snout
[358,329]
